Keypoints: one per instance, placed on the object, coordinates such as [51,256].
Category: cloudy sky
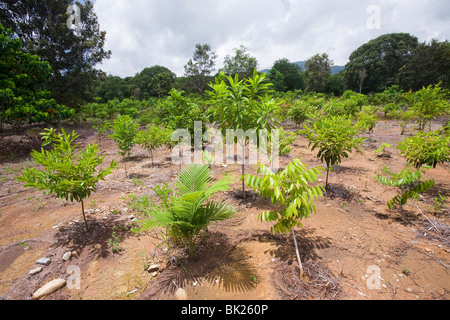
[144,33]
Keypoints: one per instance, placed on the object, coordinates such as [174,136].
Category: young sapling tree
[291,192]
[66,174]
[124,131]
[151,139]
[334,137]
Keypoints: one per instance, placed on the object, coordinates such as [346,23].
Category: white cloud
[164,32]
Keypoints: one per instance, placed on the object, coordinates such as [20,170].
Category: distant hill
[301,64]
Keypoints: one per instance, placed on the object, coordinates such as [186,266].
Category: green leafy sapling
[334,137]
[151,139]
[381,151]
[67,174]
[409,185]
[429,149]
[124,131]
[291,192]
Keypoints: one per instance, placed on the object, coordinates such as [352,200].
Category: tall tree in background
[112,87]
[335,84]
[42,25]
[318,70]
[155,81]
[200,67]
[242,63]
[428,64]
[292,75]
[22,98]
[382,58]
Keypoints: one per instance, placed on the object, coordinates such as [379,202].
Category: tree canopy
[200,67]
[318,70]
[428,64]
[42,27]
[382,59]
[242,63]
[292,77]
[22,98]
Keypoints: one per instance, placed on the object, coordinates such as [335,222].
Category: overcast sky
[144,33]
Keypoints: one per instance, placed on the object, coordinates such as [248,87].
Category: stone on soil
[49,288]
[44,261]
[35,271]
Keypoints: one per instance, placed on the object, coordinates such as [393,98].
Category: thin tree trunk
[326,184]
[84,216]
[298,254]
[243,169]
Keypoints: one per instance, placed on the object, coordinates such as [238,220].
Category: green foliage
[446,128]
[408,184]
[287,75]
[241,63]
[367,119]
[114,241]
[405,117]
[335,84]
[392,95]
[382,148]
[179,112]
[428,103]
[241,104]
[334,138]
[128,106]
[155,81]
[299,111]
[290,191]
[382,59]
[244,104]
[286,139]
[391,109]
[124,131]
[187,209]
[426,149]
[22,75]
[439,203]
[112,87]
[428,64]
[151,139]
[74,56]
[199,68]
[343,106]
[102,128]
[317,71]
[66,174]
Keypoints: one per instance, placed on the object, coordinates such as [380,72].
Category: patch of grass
[114,241]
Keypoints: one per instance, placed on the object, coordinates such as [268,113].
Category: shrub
[298,112]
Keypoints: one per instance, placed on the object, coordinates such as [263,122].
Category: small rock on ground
[35,271]
[44,261]
[49,288]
